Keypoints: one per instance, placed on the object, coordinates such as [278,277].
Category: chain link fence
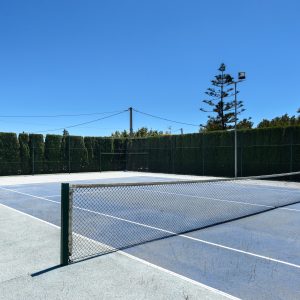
[259,152]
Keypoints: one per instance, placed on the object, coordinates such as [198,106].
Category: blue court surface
[254,257]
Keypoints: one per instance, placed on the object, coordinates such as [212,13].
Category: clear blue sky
[71,57]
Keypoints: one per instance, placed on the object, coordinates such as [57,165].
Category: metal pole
[69,160]
[64,233]
[126,155]
[181,130]
[235,130]
[100,155]
[130,122]
[203,154]
[291,152]
[172,155]
[32,156]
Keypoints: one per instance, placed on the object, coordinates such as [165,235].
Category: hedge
[260,151]
[9,154]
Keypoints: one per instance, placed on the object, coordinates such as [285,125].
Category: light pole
[241,77]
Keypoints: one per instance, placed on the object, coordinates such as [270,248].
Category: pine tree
[218,101]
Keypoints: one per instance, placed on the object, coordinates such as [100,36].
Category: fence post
[241,152]
[241,162]
[100,162]
[64,234]
[32,156]
[147,160]
[291,150]
[69,154]
[126,154]
[203,153]
[172,138]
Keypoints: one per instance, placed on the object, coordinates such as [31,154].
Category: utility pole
[130,122]
[181,130]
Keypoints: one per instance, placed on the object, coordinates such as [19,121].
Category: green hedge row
[34,154]
[260,151]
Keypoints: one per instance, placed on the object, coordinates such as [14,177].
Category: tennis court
[240,237]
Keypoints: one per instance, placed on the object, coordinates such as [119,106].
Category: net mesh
[108,217]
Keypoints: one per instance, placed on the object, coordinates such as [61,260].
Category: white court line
[223,200]
[254,185]
[203,197]
[157,267]
[173,233]
[25,194]
[28,215]
[189,280]
[192,238]
[192,196]
[208,198]
[291,209]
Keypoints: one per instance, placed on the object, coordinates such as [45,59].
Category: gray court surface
[29,269]
[257,257]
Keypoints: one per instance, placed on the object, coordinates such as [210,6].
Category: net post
[64,237]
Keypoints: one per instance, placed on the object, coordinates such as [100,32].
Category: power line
[161,118]
[84,123]
[58,116]
[114,113]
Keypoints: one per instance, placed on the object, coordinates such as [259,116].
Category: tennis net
[102,218]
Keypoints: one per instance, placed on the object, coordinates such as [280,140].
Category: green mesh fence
[259,151]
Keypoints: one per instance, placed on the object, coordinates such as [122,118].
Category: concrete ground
[29,267]
[256,257]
